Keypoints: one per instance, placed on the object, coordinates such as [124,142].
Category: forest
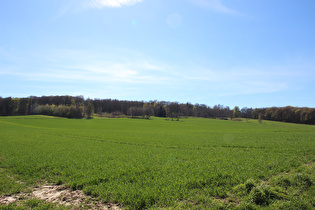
[78,107]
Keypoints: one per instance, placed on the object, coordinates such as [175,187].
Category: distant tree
[219,111]
[14,106]
[236,112]
[147,110]
[135,111]
[260,117]
[246,112]
[310,116]
[204,110]
[132,111]
[161,111]
[23,106]
[288,113]
[61,111]
[77,107]
[302,113]
[255,113]
[187,109]
[196,110]
[6,108]
[76,111]
[43,110]
[269,113]
[227,111]
[173,110]
[89,110]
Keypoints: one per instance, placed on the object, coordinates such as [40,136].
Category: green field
[158,163]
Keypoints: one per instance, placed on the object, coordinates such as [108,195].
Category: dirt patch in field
[61,195]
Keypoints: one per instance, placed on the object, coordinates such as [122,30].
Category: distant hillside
[78,107]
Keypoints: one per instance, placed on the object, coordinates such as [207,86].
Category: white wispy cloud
[134,74]
[112,3]
[216,5]
[83,66]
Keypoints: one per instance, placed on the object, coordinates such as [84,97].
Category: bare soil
[61,195]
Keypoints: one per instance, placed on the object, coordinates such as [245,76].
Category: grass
[192,163]
[35,204]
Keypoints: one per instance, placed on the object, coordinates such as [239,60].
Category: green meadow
[193,163]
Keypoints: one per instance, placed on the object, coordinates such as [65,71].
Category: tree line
[78,107]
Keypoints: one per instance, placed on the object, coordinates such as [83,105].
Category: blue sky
[233,52]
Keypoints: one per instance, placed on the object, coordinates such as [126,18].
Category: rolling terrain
[158,163]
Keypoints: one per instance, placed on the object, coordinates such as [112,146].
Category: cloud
[79,66]
[216,5]
[112,3]
[134,75]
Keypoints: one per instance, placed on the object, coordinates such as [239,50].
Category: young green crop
[152,163]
